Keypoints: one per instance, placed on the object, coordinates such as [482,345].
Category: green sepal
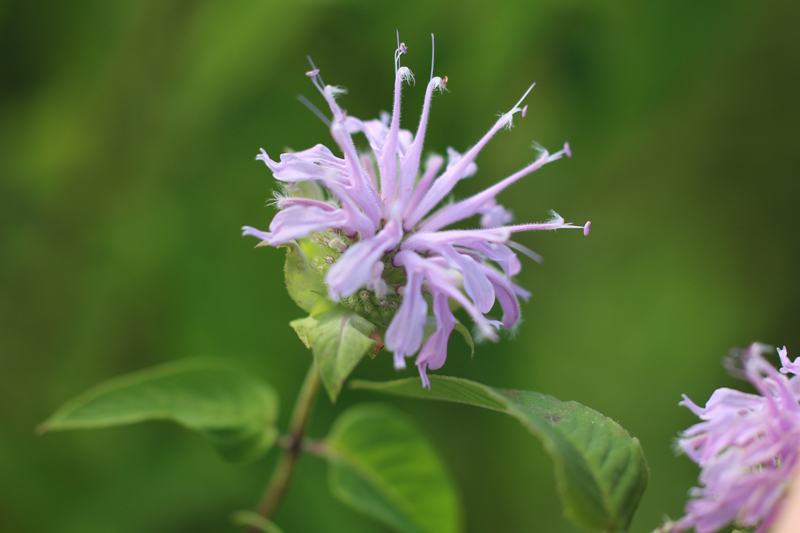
[601,471]
[338,338]
[234,411]
[381,466]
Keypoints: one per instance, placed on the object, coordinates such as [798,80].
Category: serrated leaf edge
[546,440]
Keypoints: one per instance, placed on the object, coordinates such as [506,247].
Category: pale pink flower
[389,248]
[747,447]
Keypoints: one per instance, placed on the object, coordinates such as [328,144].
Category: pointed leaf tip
[234,411]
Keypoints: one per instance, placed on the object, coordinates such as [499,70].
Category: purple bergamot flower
[747,447]
[381,216]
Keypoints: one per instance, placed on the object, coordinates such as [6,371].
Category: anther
[315,76]
[401,49]
[524,110]
[338,245]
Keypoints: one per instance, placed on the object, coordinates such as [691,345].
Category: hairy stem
[282,475]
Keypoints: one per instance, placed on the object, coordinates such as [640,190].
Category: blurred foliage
[127,137]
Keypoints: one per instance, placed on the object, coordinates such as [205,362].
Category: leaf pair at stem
[380,464]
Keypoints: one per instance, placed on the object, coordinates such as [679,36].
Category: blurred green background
[128,132]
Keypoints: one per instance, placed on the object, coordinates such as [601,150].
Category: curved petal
[404,334]
[297,221]
[506,297]
[434,352]
[354,269]
[476,283]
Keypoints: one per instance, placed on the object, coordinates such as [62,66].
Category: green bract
[338,339]
[307,262]
[304,280]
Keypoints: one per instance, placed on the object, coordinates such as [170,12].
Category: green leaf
[381,466]
[601,471]
[339,339]
[305,283]
[234,411]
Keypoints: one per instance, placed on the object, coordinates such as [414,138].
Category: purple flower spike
[377,219]
[747,446]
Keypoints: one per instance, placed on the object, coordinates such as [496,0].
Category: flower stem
[282,475]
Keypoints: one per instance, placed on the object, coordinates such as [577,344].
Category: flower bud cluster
[377,305]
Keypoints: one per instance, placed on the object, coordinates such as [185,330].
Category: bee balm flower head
[747,446]
[380,221]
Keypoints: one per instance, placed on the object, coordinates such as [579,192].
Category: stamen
[523,97]
[314,109]
[508,118]
[432,55]
[401,49]
[525,250]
